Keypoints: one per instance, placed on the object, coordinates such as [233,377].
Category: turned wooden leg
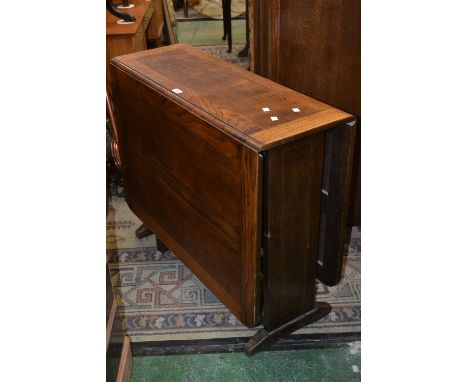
[263,338]
[142,231]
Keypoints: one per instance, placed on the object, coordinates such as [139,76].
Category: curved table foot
[262,338]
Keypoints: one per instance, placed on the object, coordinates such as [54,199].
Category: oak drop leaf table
[245,180]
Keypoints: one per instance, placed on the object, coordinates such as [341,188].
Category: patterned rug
[161,299]
[220,51]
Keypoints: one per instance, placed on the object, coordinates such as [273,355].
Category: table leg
[262,338]
[142,231]
[229,26]
[224,20]
[161,246]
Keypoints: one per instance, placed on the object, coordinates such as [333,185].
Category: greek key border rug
[160,299]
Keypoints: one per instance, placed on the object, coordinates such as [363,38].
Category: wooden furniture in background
[119,359]
[312,46]
[127,37]
[229,170]
[169,22]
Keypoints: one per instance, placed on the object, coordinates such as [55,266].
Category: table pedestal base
[263,338]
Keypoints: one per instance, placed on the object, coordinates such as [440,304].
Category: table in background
[131,37]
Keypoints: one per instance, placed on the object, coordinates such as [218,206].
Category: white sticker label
[324,192]
[296,109]
[177,91]
[265,109]
[274,118]
[356,368]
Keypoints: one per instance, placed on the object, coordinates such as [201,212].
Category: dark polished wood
[264,338]
[291,229]
[235,194]
[312,46]
[336,194]
[194,211]
[227,23]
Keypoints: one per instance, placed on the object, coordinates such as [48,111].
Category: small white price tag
[177,91]
[274,118]
[265,109]
[296,109]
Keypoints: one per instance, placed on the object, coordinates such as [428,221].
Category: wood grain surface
[313,47]
[291,229]
[188,183]
[230,98]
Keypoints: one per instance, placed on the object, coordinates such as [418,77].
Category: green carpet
[327,365]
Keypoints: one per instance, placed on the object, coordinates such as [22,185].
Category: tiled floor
[327,365]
